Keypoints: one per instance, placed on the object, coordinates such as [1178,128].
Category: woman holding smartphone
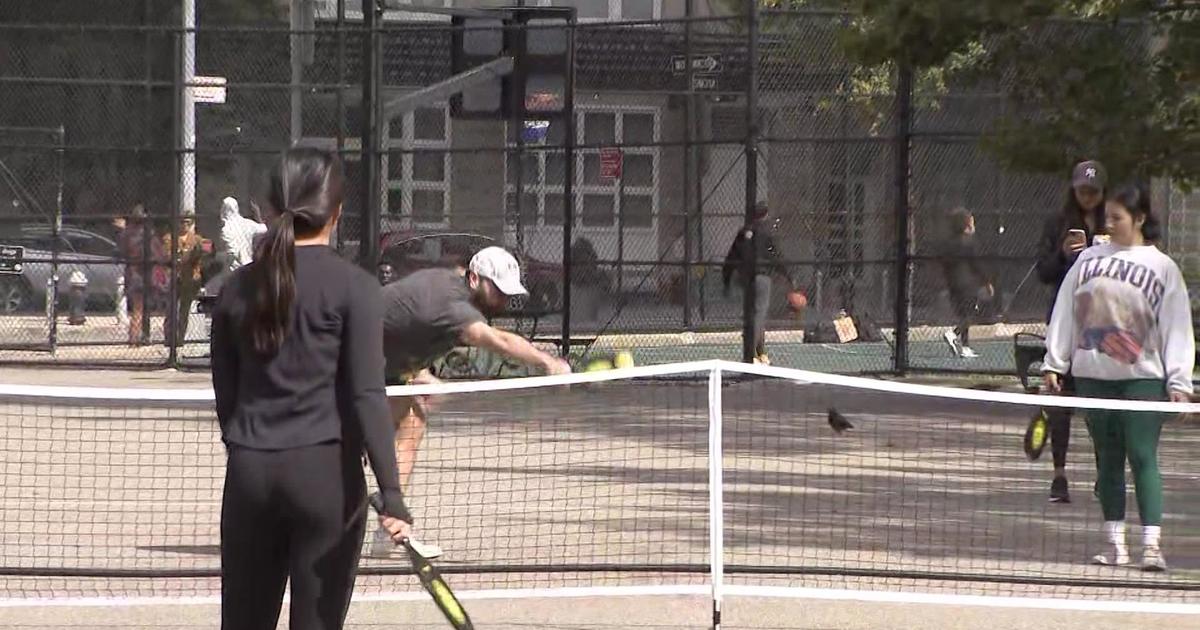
[1066,234]
[1122,324]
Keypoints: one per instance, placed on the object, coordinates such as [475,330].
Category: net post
[716,500]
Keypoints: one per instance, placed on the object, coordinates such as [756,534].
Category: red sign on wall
[611,159]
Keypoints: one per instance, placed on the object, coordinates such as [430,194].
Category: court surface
[607,486]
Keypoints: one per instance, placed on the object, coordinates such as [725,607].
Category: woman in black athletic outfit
[297,365]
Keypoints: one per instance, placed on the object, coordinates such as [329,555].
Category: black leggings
[964,303]
[1060,434]
[1060,426]
[299,514]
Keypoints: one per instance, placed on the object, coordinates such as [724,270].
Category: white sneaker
[1118,549]
[1153,560]
[952,341]
[967,353]
[429,551]
[381,545]
[1115,556]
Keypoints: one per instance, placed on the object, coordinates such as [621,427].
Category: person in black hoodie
[1065,235]
[966,280]
[770,263]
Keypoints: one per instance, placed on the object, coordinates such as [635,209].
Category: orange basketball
[797,301]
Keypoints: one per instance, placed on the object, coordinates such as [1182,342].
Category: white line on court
[882,597]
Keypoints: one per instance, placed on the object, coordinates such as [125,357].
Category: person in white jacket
[1122,325]
[237,234]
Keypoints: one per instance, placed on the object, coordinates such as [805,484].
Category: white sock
[1114,531]
[1151,534]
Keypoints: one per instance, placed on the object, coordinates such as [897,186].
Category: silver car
[93,255]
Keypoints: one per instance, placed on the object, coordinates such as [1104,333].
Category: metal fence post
[372,76]
[750,255]
[172,309]
[903,106]
[340,98]
[568,188]
[688,120]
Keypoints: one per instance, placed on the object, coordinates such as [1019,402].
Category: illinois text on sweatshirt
[1122,313]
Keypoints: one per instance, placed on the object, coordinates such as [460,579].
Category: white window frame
[326,10]
[541,189]
[614,11]
[407,141]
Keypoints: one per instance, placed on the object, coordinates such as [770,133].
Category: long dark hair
[306,191]
[1136,199]
[1073,212]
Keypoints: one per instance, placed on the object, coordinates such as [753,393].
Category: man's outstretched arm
[482,335]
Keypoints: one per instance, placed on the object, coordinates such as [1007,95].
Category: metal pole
[621,233]
[750,260]
[341,100]
[53,304]
[295,45]
[903,270]
[568,189]
[146,160]
[187,198]
[698,197]
[180,125]
[688,117]
[517,104]
[372,77]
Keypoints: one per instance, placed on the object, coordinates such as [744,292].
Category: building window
[327,10]
[418,167]
[598,10]
[585,10]
[600,202]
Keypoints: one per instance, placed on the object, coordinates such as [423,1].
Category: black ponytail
[306,193]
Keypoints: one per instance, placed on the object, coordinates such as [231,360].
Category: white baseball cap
[499,266]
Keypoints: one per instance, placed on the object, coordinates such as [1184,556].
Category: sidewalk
[89,377]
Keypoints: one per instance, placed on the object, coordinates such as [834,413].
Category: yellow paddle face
[447,603]
[1039,434]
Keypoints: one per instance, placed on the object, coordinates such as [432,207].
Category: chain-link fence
[103,185]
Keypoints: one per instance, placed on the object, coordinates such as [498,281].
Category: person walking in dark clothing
[1065,235]
[143,255]
[770,264]
[298,371]
[966,280]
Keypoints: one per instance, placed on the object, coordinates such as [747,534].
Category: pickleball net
[621,480]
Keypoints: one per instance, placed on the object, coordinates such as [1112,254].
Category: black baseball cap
[1089,173]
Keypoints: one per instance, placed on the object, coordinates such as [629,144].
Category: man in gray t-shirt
[426,315]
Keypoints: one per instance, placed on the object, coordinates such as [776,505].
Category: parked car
[410,250]
[80,250]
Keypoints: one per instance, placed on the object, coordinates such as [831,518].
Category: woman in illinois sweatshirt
[1122,326]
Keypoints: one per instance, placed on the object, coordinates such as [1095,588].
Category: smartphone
[1077,235]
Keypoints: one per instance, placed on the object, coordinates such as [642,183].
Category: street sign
[12,259]
[702,84]
[208,90]
[700,63]
[535,131]
[611,160]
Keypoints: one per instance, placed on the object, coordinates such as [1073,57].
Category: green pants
[1126,434]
